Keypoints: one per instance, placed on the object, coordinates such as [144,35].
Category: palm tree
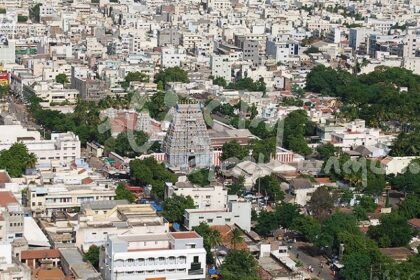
[235,238]
[214,238]
[31,160]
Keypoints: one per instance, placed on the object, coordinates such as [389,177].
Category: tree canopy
[174,208]
[16,159]
[172,74]
[239,264]
[121,192]
[61,79]
[149,172]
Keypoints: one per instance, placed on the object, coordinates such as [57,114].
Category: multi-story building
[171,57]
[51,93]
[47,199]
[357,36]
[411,44]
[221,67]
[238,213]
[282,51]
[11,221]
[7,51]
[175,255]
[169,36]
[98,219]
[210,197]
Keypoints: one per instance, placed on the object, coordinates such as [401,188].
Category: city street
[298,253]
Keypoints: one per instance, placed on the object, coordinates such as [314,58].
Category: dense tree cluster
[376,97]
[201,177]
[172,74]
[239,264]
[149,172]
[248,84]
[174,208]
[16,159]
[270,186]
[121,192]
[134,77]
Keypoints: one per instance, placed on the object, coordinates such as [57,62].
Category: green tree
[4,91]
[410,207]
[134,77]
[325,151]
[237,186]
[174,208]
[357,266]
[16,159]
[149,172]
[263,150]
[122,193]
[270,186]
[92,256]
[220,81]
[308,226]
[236,238]
[160,103]
[239,265]
[332,227]
[172,74]
[211,239]
[22,18]
[286,213]
[321,203]
[233,149]
[200,177]
[61,79]
[34,13]
[393,231]
[266,223]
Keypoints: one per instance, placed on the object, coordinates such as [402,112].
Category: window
[210,220]
[196,259]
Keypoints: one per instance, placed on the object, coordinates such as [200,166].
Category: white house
[175,255]
[210,197]
[237,213]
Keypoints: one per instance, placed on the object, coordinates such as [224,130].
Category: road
[19,111]
[321,273]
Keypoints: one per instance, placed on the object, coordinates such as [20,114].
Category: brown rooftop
[4,177]
[185,235]
[40,254]
[7,198]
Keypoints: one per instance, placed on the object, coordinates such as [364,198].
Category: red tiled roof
[185,235]
[4,177]
[40,254]
[7,198]
[87,181]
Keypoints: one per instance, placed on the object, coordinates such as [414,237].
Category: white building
[237,213]
[52,92]
[102,218]
[7,51]
[46,199]
[171,57]
[10,270]
[210,197]
[282,51]
[221,67]
[356,134]
[175,255]
[63,147]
